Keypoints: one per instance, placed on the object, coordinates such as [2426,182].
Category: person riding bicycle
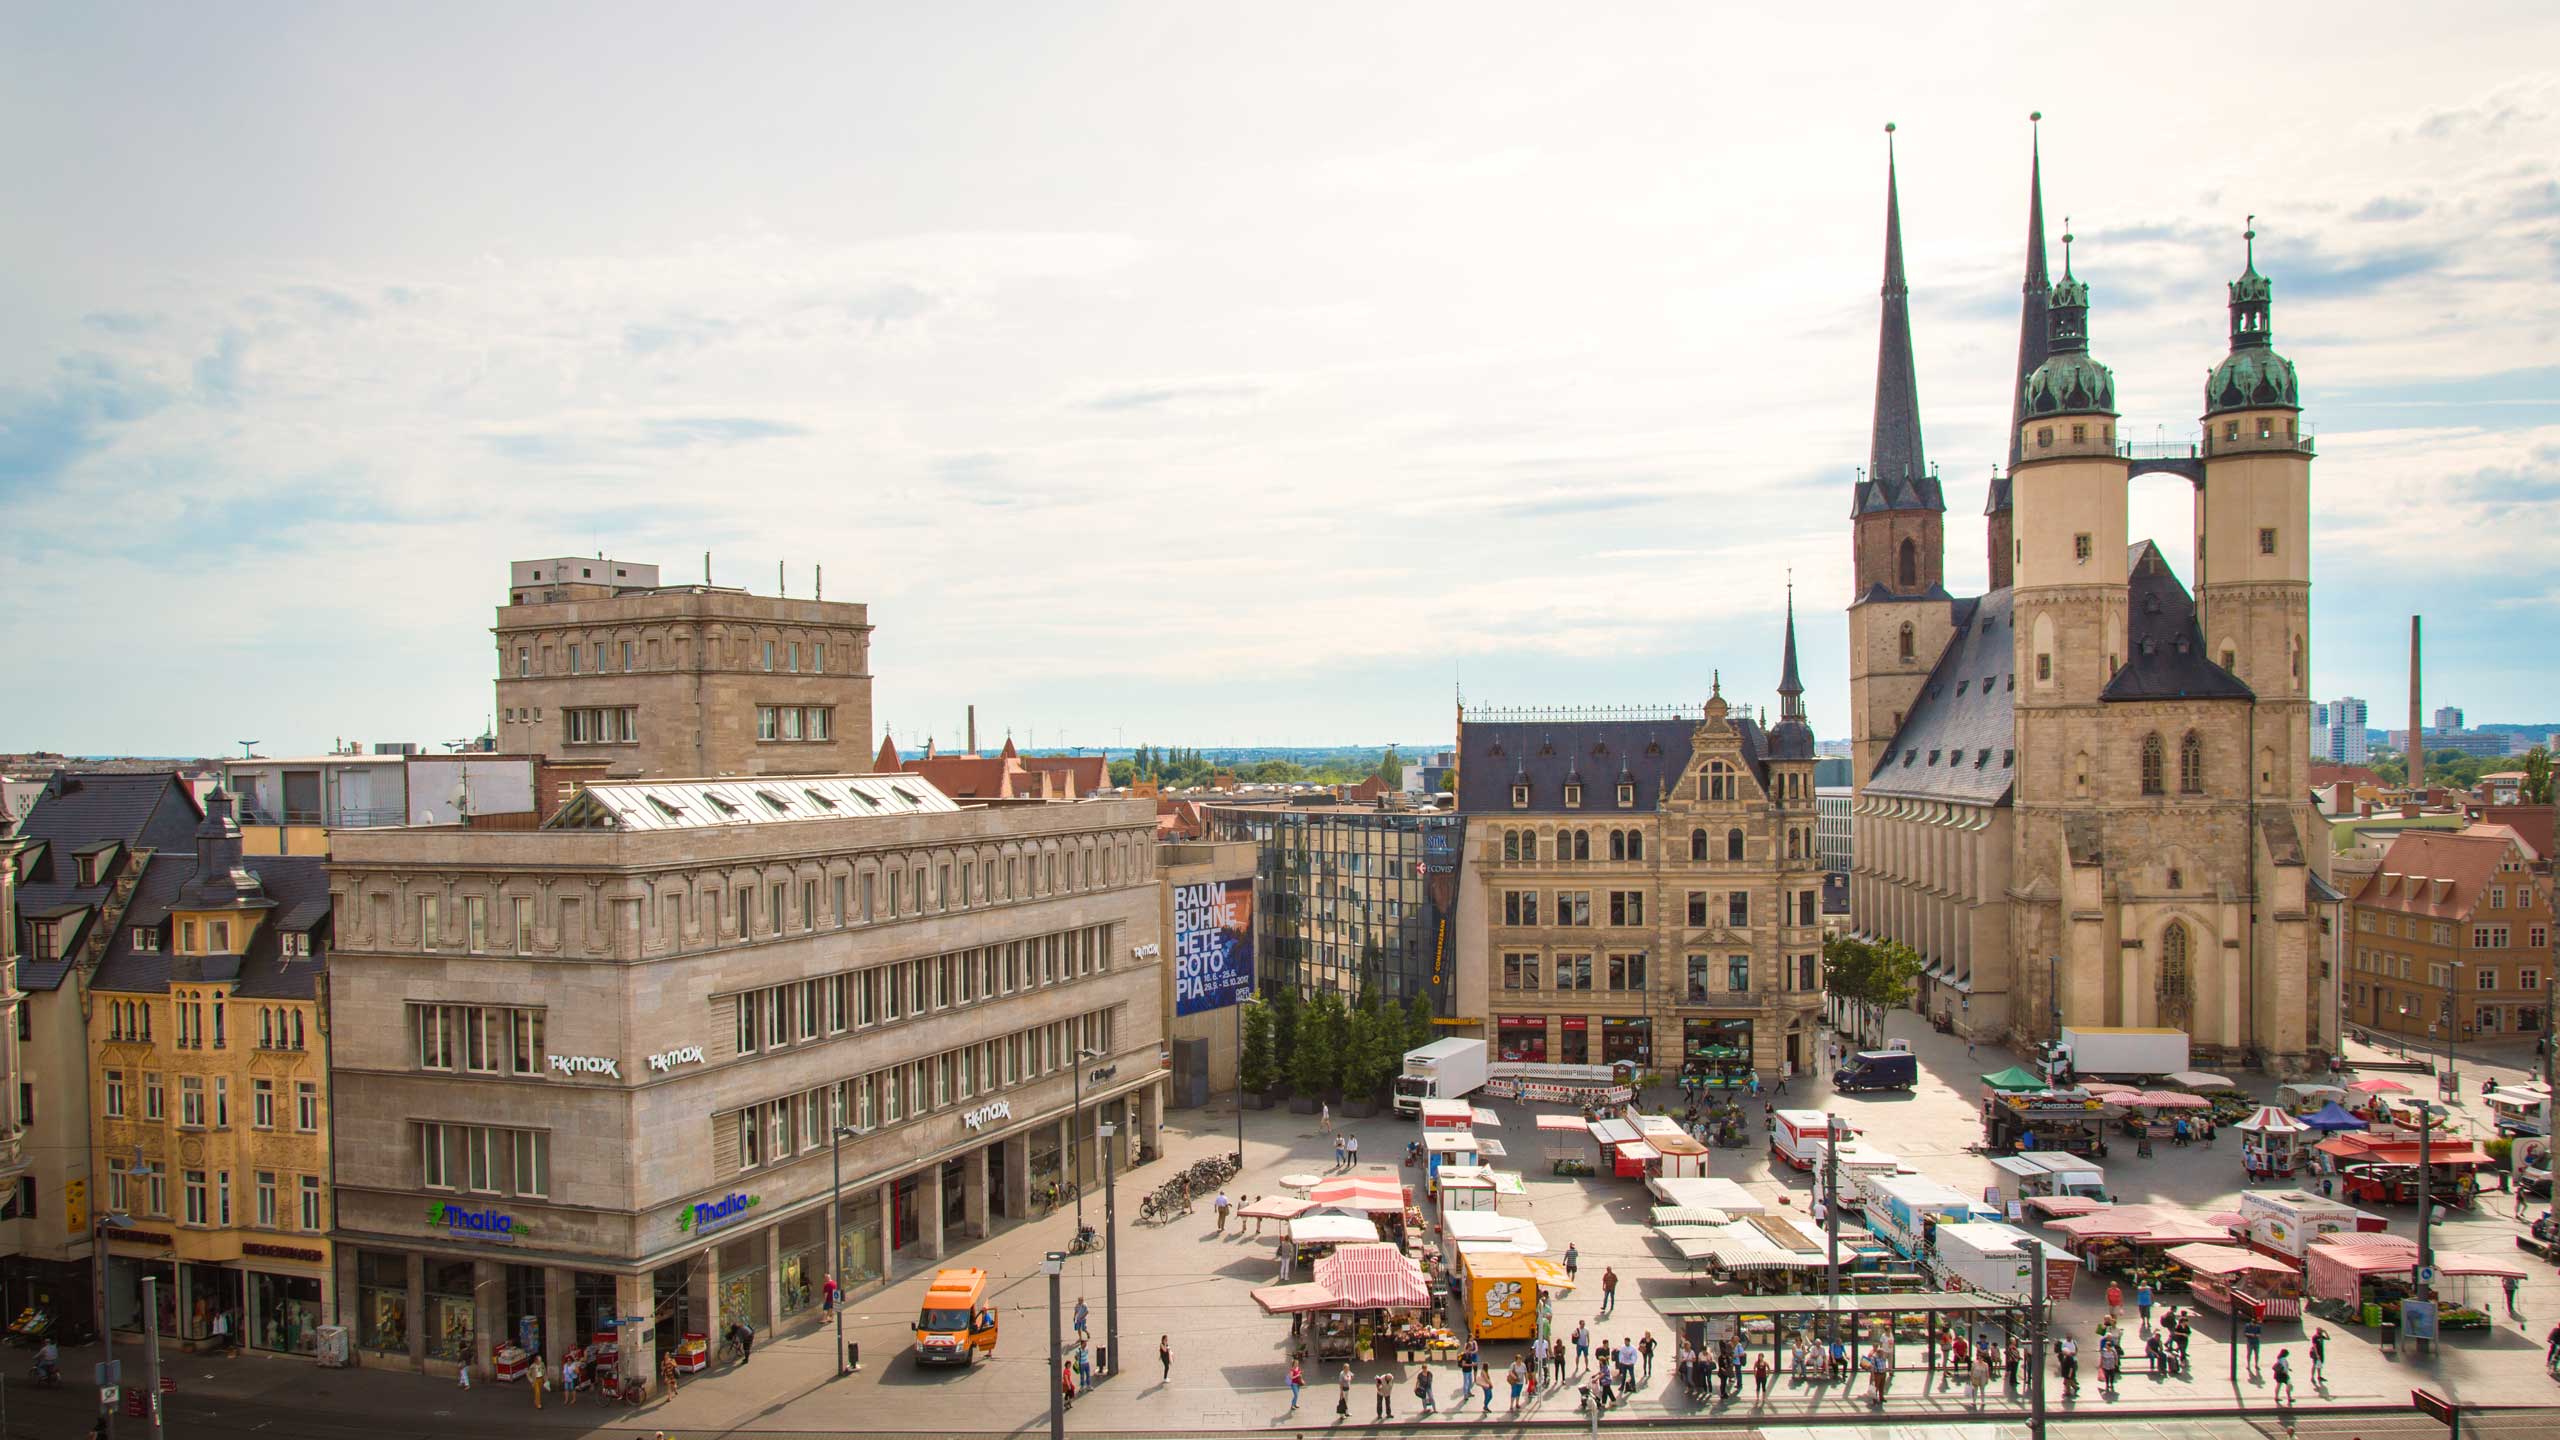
[49,1362]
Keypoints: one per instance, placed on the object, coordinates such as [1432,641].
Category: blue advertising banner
[1212,945]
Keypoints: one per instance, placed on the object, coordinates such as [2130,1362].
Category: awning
[1508,1182]
[1573,1124]
[2377,1085]
[1333,1230]
[1614,1132]
[1639,1150]
[1688,1215]
[1276,1207]
[1487,1145]
[1359,1192]
[1700,1192]
[2144,1225]
[2016,1077]
[2170,1100]
[2063,1207]
[1484,1226]
[1449,1142]
[2333,1116]
[1487,1120]
[1498,1263]
[1373,1277]
[1292,1299]
[2270,1120]
[2227,1260]
[2462,1263]
[2198,1080]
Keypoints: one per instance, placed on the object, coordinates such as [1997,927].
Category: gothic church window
[1908,568]
[1733,844]
[1698,849]
[2176,983]
[1906,641]
[2191,765]
[2152,758]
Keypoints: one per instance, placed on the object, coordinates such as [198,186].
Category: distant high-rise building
[2345,730]
[2449,717]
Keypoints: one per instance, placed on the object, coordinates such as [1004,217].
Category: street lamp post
[835,1262]
[1075,1138]
[1110,1257]
[1053,1264]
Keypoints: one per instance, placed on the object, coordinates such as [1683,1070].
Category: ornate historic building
[1645,889]
[2083,796]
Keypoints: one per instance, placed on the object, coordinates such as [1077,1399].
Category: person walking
[1219,1208]
[1342,1397]
[2284,1377]
[1084,1366]
[1351,1148]
[1297,1382]
[1485,1374]
[2512,1312]
[827,1296]
[2115,1299]
[2142,1301]
[1760,1372]
[667,1372]
[1084,1321]
[1644,1347]
[2250,1335]
[536,1376]
[1582,1339]
[1422,1386]
[1324,1117]
[1572,1260]
[1518,1382]
[2319,1354]
[1608,1290]
[1628,1358]
[1386,1388]
[1164,1356]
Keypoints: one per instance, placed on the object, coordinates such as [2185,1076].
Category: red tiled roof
[2531,823]
[1085,773]
[2434,873]
[887,763]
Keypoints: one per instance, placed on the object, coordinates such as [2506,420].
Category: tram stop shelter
[1856,1319]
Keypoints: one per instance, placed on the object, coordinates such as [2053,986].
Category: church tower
[1998,515]
[2069,488]
[1899,611]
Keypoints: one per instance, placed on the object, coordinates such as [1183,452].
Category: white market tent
[1333,1230]
[1700,1192]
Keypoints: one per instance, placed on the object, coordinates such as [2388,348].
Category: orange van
[956,1324]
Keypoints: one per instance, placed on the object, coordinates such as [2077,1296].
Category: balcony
[340,819]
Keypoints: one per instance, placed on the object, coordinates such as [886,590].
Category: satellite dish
[460,795]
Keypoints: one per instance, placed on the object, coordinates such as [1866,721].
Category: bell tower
[1899,618]
[1999,519]
[2253,535]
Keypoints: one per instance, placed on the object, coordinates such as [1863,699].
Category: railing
[333,819]
[1566,713]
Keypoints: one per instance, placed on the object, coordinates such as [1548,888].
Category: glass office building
[1351,898]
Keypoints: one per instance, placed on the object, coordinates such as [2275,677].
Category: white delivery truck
[2521,1109]
[1904,1210]
[2124,1049]
[2048,1172]
[1797,1136]
[1990,1257]
[1441,1070]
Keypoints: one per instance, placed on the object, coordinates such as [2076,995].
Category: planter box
[1302,1104]
[1257,1100]
[1359,1109]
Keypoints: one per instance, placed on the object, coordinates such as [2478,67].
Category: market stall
[2460,1306]
[2333,1117]
[2024,1177]
[2270,1144]
[1989,1256]
[2017,1079]
[2072,1120]
[1567,1141]
[1623,1150]
[1473,1231]
[1703,1192]
[1505,1291]
[1464,1188]
[2225,1277]
[1447,1115]
[1682,1153]
[2285,1223]
[2384,1170]
[2303,1098]
[1272,1207]
[1364,1300]
[2134,1240]
[1448,1147]
[2360,1278]
[1377,1194]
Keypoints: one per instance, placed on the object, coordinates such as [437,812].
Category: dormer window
[1573,797]
[146,939]
[1626,796]
[89,869]
[1519,797]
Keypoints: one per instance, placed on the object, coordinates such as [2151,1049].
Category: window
[610,725]
[1907,565]
[1738,909]
[1519,907]
[1573,907]
[262,1103]
[2191,765]
[198,1213]
[314,1218]
[1627,972]
[1697,908]
[266,1187]
[1520,970]
[1573,972]
[2080,547]
[2267,541]
[2489,937]
[1573,797]
[1909,645]
[191,1101]
[2485,978]
[1626,908]
[221,1102]
[306,1106]
[1519,797]
[115,1095]
[2153,758]
[1737,974]
[1626,796]
[1733,844]
[155,1100]
[1698,848]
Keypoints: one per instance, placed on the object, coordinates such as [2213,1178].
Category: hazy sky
[1202,373]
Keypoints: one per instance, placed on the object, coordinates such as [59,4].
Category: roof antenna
[2251,236]
[706,567]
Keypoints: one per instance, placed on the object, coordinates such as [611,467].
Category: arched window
[1581,843]
[1908,567]
[1698,845]
[2191,765]
[1617,844]
[1907,648]
[1635,844]
[2152,758]
[2176,983]
[1510,844]
[1795,844]
[1733,844]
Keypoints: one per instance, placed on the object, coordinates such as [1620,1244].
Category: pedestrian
[2284,1377]
[746,1342]
[2250,1335]
[1968,1049]
[1351,1149]
[1164,1356]
[1538,1353]
[1760,1378]
[1487,1378]
[1342,1397]
[2115,1299]
[1324,1117]
[1386,1388]
[1628,1358]
[1518,1380]
[535,1376]
[222,1332]
[2319,1354]
[1084,1321]
[827,1296]
[667,1371]
[2512,1312]
[1297,1382]
[2142,1301]
[2009,1367]
[569,1382]
[1645,1348]
[1084,1366]
[464,1375]
[1582,1337]
[1422,1389]
[1219,1208]
[1572,1260]
[1608,1290]
[1067,1382]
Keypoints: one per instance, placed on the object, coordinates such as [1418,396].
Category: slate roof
[1898,475]
[1599,754]
[1958,743]
[299,886]
[75,812]
[2167,659]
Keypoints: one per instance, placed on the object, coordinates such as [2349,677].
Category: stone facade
[684,679]
[597,1070]
[1201,863]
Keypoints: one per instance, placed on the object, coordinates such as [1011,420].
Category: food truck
[1797,1136]
[1503,1291]
[2072,1120]
[1903,1211]
[2521,1109]
[2289,1222]
[1989,1256]
[2048,1172]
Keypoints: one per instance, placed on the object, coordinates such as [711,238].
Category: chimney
[2417,737]
[973,729]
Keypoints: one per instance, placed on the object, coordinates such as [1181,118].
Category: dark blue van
[1877,1070]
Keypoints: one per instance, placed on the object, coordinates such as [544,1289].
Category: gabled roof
[299,886]
[2532,824]
[1958,741]
[2166,657]
[75,812]
[2433,873]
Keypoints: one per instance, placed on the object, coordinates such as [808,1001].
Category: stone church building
[2083,797]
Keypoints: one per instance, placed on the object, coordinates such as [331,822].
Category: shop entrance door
[673,1290]
[997,1189]
[902,1214]
[955,1196]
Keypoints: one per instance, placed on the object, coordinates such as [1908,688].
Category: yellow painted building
[210,1088]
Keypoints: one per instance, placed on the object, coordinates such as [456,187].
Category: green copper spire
[2069,382]
[2253,376]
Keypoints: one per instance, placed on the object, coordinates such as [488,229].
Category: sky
[1203,374]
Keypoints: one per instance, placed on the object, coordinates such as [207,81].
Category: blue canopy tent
[2333,1116]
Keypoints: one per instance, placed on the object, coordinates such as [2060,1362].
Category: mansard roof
[1957,743]
[1598,755]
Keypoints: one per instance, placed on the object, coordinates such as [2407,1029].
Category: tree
[1315,1066]
[1337,1028]
[1391,768]
[1123,772]
[1286,1011]
[1254,1066]
[1418,1029]
[1364,1063]
[1869,978]
[1449,781]
[2537,776]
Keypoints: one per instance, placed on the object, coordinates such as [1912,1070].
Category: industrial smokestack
[822,583]
[2417,737]
[973,729]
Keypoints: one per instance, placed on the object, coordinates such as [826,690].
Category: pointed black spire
[1790,685]
[2033,319]
[1898,475]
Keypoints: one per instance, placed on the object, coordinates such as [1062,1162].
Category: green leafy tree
[1123,771]
[1391,768]
[1287,1010]
[1418,1029]
[1449,781]
[1869,978]
[1315,1066]
[2537,776]
[1255,1064]
[1363,1063]
[1337,1028]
